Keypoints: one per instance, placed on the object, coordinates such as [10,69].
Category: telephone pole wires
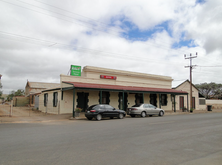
[191,67]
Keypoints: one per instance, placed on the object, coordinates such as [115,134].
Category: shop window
[153,99]
[55,99]
[45,99]
[139,98]
[105,97]
[164,99]
[82,100]
[62,95]
[32,99]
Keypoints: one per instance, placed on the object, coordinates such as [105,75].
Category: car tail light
[92,110]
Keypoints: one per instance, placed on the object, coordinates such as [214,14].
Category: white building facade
[121,89]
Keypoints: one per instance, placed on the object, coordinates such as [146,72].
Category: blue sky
[135,34]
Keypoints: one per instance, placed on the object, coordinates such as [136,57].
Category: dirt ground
[7,110]
[29,115]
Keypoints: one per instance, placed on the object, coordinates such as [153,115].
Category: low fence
[8,110]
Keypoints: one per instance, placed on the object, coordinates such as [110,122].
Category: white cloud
[73,35]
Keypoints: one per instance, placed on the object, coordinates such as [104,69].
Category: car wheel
[98,117]
[161,113]
[132,115]
[143,114]
[120,116]
[89,118]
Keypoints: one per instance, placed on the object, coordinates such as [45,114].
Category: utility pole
[191,67]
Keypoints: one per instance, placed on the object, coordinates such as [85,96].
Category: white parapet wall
[216,104]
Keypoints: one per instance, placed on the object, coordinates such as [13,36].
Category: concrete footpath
[42,117]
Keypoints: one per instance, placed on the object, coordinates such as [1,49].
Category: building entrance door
[82,100]
[193,102]
[181,102]
[153,99]
[139,98]
[123,101]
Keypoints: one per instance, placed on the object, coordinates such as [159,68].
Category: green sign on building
[75,70]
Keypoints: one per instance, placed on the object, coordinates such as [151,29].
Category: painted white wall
[195,93]
[124,78]
[50,108]
[216,104]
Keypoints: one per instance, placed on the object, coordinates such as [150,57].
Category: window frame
[55,99]
[45,99]
[164,99]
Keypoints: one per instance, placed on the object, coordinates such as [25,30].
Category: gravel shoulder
[28,115]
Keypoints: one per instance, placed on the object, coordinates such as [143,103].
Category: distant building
[33,89]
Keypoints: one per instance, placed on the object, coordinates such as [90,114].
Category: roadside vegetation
[210,90]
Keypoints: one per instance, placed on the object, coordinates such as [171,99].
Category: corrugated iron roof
[125,88]
[42,85]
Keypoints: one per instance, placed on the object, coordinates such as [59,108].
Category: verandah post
[73,109]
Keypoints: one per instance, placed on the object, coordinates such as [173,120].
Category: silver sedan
[144,109]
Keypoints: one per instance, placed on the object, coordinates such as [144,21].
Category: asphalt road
[170,140]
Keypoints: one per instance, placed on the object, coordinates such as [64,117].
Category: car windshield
[137,105]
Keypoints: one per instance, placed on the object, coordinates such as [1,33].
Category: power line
[71,12]
[210,66]
[166,44]
[191,67]
[150,43]
[53,44]
[114,55]
[87,22]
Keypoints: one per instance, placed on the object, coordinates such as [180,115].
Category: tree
[210,90]
[19,92]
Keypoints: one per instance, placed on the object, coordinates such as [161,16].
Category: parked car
[144,109]
[99,111]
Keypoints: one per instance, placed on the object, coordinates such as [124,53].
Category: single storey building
[121,89]
[198,100]
[33,89]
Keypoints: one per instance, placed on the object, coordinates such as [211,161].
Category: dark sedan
[99,111]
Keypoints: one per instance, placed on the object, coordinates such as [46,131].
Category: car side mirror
[114,108]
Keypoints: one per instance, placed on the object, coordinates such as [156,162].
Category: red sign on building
[108,77]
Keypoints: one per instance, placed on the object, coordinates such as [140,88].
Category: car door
[152,109]
[102,110]
[146,108]
[111,111]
